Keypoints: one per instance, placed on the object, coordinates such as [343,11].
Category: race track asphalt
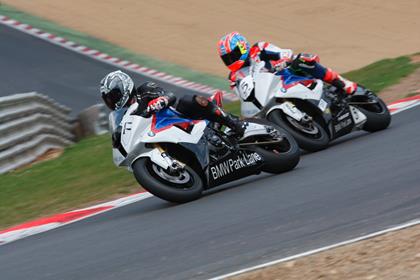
[361,184]
[29,64]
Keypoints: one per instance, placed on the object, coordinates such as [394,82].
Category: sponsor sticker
[231,165]
[322,105]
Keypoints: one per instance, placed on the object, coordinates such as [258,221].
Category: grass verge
[114,50]
[384,73]
[84,174]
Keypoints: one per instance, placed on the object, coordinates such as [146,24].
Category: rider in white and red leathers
[236,53]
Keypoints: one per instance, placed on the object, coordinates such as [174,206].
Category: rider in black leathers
[118,92]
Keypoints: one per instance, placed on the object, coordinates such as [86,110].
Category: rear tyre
[185,187]
[311,137]
[378,116]
[278,157]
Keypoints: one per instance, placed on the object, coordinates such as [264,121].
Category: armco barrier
[30,125]
[93,121]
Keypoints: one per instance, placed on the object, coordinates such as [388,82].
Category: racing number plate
[246,86]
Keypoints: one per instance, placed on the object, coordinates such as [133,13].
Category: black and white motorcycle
[313,112]
[176,158]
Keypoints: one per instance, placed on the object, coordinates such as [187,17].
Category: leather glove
[157,104]
[280,64]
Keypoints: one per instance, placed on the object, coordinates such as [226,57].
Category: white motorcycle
[313,112]
[176,158]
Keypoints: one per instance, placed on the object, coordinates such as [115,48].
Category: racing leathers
[276,59]
[152,98]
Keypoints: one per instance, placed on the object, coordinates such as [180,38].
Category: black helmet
[116,89]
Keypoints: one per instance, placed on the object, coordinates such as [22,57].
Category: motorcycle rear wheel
[378,116]
[184,187]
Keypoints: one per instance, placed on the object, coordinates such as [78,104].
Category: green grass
[412,94]
[384,73]
[84,174]
[233,107]
[114,50]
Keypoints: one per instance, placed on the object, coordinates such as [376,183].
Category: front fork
[174,166]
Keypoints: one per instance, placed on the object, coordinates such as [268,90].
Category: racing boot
[339,82]
[236,125]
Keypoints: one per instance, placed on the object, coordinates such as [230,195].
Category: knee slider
[201,101]
[193,106]
[308,58]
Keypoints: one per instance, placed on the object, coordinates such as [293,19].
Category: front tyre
[310,136]
[183,187]
[378,116]
[278,157]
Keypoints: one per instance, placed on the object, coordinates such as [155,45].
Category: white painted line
[91,52]
[10,21]
[124,63]
[114,60]
[69,43]
[322,249]
[45,35]
[102,56]
[405,105]
[35,30]
[23,26]
[406,108]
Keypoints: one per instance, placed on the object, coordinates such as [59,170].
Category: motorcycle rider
[119,92]
[235,51]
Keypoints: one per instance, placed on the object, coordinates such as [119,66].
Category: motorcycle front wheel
[183,187]
[310,136]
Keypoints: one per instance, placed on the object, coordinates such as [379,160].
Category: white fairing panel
[289,109]
[136,129]
[302,92]
[254,129]
[248,109]
[358,117]
[176,135]
[266,86]
[117,157]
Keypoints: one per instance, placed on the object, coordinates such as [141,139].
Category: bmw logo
[151,133]
[283,90]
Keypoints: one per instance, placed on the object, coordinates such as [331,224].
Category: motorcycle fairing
[290,80]
[342,123]
[170,126]
[234,166]
[167,118]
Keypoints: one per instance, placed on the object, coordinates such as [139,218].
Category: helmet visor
[232,57]
[112,98]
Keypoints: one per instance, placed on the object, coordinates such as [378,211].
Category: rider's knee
[308,59]
[201,101]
